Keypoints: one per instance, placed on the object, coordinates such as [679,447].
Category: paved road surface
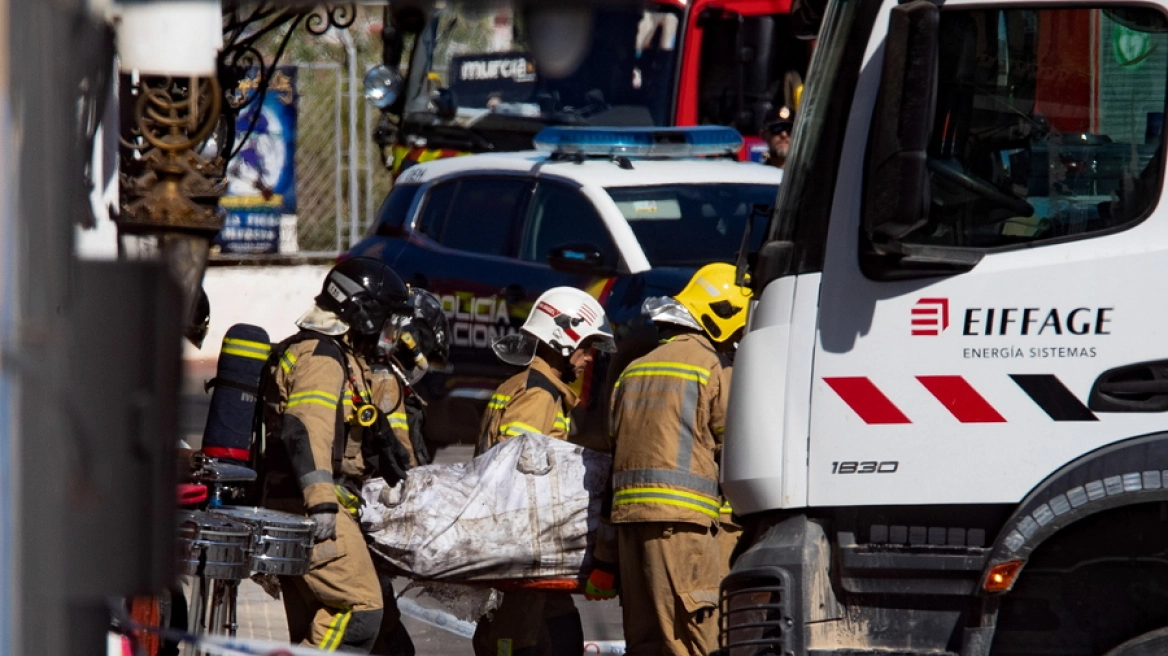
[260,616]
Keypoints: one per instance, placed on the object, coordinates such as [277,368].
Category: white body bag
[527,508]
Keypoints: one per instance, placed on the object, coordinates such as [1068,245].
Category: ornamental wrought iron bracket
[178,134]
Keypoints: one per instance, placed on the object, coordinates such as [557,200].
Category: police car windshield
[694,224]
[624,80]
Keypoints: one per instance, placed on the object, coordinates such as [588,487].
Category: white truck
[948,432]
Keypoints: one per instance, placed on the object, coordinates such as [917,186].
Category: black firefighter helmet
[363,292]
[430,327]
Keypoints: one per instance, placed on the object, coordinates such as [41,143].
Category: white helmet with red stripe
[564,318]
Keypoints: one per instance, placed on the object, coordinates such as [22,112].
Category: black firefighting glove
[416,417]
[391,459]
[394,462]
[324,525]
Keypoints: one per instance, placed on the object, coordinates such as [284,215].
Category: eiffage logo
[930,316]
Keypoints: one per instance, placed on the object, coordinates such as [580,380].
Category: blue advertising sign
[263,173]
[250,232]
[261,177]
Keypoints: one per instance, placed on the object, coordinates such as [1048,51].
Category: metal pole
[10,252]
[369,218]
[337,174]
[354,212]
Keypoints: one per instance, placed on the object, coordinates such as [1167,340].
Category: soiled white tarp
[527,508]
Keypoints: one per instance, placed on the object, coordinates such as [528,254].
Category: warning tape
[960,398]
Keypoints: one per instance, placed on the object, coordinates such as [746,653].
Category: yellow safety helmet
[715,301]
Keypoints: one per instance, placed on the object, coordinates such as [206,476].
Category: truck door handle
[514,293]
[1141,387]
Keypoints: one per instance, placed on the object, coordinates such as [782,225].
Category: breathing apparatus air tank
[230,419]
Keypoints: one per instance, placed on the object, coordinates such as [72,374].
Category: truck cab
[652,63]
[947,432]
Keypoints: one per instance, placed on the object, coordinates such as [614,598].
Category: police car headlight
[382,86]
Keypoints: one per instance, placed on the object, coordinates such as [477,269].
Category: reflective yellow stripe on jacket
[318,397]
[670,497]
[287,361]
[498,401]
[517,428]
[674,369]
[399,420]
[562,422]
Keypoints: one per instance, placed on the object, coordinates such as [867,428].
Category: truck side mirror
[578,258]
[896,185]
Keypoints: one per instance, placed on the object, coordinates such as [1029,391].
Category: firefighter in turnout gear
[556,344]
[324,437]
[422,345]
[668,415]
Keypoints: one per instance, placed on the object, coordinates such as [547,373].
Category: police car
[621,213]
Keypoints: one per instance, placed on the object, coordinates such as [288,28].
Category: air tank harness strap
[227,382]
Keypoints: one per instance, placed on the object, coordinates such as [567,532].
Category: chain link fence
[339,177]
[319,158]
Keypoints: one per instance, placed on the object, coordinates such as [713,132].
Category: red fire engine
[664,63]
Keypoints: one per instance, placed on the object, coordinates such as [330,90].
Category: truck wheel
[1152,643]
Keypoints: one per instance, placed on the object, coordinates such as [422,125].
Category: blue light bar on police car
[640,142]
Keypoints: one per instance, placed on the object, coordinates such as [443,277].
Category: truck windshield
[694,224]
[1037,136]
[625,79]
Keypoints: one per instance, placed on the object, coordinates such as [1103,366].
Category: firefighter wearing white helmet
[557,342]
[668,416]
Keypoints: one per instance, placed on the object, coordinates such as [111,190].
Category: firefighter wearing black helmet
[321,424]
[422,345]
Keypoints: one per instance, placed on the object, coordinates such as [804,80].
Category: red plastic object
[191,494]
[560,585]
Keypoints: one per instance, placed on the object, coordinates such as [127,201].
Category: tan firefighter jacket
[310,385]
[668,415]
[535,400]
[388,397]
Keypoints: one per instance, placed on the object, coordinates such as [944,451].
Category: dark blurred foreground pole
[89,352]
[8,306]
[89,362]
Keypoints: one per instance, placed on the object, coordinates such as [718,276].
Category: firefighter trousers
[393,639]
[531,622]
[670,572]
[337,605]
[728,535]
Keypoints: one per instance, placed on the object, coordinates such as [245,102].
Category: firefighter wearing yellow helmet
[668,416]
